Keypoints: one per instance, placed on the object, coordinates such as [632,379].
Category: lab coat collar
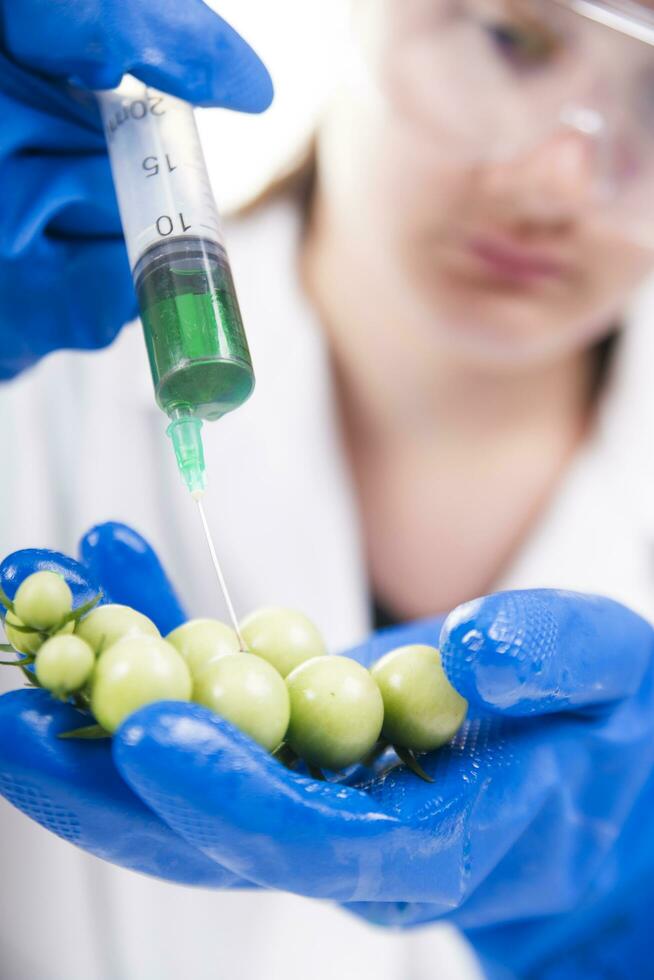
[597,534]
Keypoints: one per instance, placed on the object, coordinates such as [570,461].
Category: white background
[301,42]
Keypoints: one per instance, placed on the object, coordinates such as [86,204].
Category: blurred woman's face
[505,159]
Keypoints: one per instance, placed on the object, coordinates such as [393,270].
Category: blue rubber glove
[79,794]
[64,276]
[534,838]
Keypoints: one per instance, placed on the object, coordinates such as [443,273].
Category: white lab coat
[85,443]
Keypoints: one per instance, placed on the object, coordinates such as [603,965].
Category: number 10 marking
[165,224]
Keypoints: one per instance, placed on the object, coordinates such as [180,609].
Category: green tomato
[28,642]
[136,671]
[43,599]
[283,637]
[22,642]
[105,625]
[422,710]
[202,640]
[64,664]
[246,691]
[336,712]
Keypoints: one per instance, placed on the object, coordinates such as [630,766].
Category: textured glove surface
[533,838]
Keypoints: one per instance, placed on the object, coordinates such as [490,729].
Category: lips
[509,260]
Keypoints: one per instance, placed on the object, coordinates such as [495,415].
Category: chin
[513,331]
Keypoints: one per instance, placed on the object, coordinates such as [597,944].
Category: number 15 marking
[151,165]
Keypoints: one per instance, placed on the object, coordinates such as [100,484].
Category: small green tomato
[22,642]
[64,664]
[43,599]
[249,693]
[336,712]
[202,640]
[28,642]
[105,625]
[136,671]
[283,637]
[422,710]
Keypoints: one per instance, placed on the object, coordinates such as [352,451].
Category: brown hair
[297,180]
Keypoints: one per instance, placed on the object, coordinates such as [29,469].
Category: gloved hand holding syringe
[198,351]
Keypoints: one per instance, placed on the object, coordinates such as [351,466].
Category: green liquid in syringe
[197,347]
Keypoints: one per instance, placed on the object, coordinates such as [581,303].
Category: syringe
[198,351]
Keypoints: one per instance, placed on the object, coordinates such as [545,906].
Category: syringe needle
[219,573]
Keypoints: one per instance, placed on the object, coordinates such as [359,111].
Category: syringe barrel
[196,343]
[158,167]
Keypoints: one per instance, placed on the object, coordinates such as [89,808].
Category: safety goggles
[494,80]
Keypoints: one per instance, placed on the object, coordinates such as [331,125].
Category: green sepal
[409,760]
[30,677]
[375,754]
[76,614]
[25,660]
[29,629]
[81,700]
[5,600]
[285,754]
[86,732]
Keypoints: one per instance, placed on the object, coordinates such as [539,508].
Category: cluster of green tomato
[284,691]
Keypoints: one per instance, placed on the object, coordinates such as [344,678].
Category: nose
[552,183]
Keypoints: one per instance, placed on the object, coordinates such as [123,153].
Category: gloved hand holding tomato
[533,837]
